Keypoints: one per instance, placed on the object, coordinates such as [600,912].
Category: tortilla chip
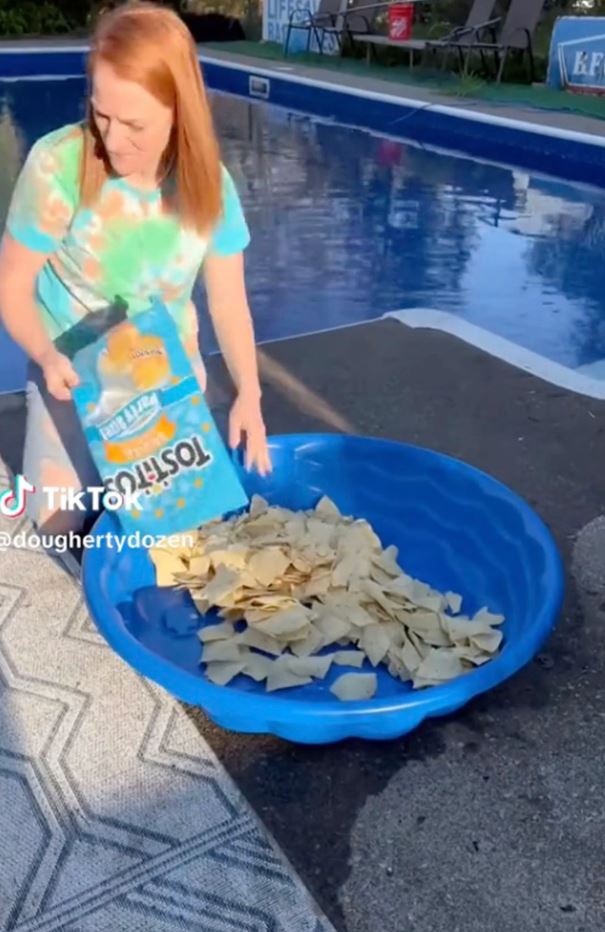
[355,687]
[348,658]
[217,632]
[409,655]
[301,581]
[221,650]
[327,510]
[267,565]
[256,666]
[428,626]
[166,563]
[281,677]
[331,627]
[375,643]
[287,623]
[199,565]
[483,616]
[221,672]
[258,506]
[221,587]
[317,667]
[377,595]
[311,644]
[252,637]
[316,586]
[439,666]
[454,602]
[234,558]
[487,641]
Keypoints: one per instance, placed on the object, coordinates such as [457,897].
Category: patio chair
[332,17]
[480,20]
[517,34]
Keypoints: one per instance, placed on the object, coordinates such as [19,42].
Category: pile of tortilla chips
[302,581]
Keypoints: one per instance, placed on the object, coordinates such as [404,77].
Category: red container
[401,20]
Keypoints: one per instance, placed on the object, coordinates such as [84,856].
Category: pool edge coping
[421,318]
[288,72]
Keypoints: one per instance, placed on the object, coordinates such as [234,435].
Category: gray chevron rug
[115,815]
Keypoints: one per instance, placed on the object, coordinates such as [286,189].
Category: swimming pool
[348,225]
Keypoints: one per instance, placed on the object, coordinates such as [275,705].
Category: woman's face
[134,126]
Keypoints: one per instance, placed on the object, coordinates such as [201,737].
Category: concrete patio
[489,820]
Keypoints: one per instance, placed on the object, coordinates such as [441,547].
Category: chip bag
[149,429]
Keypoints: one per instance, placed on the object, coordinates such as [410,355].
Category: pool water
[347,226]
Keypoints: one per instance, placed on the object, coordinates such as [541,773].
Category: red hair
[151,46]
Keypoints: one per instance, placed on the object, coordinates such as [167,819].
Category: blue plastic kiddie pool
[456,528]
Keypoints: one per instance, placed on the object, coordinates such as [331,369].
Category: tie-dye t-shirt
[126,250]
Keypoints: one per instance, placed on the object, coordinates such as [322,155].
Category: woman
[105,214]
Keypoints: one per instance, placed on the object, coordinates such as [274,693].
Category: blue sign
[577,54]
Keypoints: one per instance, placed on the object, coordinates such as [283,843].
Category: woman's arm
[232,322]
[231,319]
[19,269]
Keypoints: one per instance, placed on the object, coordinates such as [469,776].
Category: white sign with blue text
[577,54]
[277,14]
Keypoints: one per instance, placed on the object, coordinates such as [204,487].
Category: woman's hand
[246,418]
[59,373]
[232,322]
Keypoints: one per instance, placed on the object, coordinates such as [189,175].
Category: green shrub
[31,18]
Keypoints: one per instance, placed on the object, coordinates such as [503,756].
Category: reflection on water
[347,225]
